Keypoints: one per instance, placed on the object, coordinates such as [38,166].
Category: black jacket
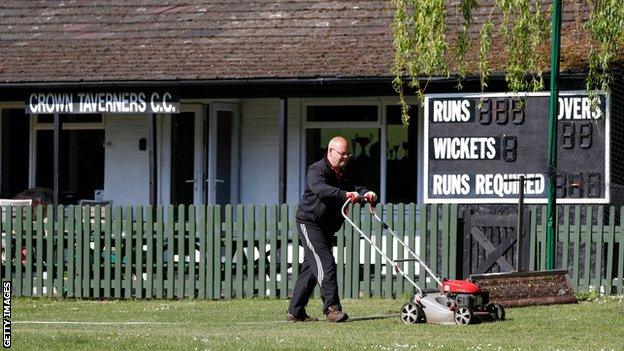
[324,196]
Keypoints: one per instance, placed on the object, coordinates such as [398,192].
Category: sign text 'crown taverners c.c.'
[102,102]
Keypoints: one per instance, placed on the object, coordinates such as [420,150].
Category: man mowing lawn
[329,183]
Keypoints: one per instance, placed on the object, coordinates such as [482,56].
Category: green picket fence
[208,251]
[242,251]
[590,245]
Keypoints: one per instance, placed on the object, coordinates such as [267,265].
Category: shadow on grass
[368,318]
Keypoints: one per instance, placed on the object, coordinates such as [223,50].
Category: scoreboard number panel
[475,142]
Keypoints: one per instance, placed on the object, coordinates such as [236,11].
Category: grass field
[45,324]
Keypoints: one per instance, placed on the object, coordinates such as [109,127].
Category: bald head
[338,151]
[338,142]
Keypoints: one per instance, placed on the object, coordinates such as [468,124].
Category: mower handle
[383,254]
[409,250]
[373,211]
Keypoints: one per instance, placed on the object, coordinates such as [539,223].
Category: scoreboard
[475,143]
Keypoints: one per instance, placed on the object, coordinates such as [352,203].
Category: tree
[427,45]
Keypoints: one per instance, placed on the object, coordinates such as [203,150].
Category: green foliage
[524,29]
[422,48]
[420,45]
[587,295]
[594,296]
[485,37]
[606,34]
[463,38]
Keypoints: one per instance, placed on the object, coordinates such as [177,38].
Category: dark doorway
[182,158]
[15,146]
[224,156]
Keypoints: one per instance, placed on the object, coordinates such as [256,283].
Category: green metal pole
[552,136]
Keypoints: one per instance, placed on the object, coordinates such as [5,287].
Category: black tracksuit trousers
[319,266]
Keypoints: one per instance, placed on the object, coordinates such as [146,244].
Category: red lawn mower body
[459,287]
[456,302]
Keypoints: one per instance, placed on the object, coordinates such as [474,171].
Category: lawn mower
[459,302]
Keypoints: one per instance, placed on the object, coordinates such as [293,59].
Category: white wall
[126,175]
[259,140]
[126,178]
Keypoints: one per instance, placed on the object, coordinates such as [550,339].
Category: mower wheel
[411,313]
[497,311]
[463,315]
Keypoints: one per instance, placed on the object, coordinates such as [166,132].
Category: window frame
[381,104]
[35,126]
[419,145]
[69,125]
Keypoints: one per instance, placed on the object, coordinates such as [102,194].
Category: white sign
[102,102]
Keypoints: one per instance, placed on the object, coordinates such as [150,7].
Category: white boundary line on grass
[97,323]
[138,323]
[379,316]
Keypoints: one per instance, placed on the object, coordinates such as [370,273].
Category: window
[359,124]
[351,113]
[81,162]
[401,156]
[81,168]
[385,153]
[364,147]
[15,141]
[73,118]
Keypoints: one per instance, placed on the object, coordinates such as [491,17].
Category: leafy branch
[422,48]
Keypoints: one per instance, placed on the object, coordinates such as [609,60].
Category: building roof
[156,40]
